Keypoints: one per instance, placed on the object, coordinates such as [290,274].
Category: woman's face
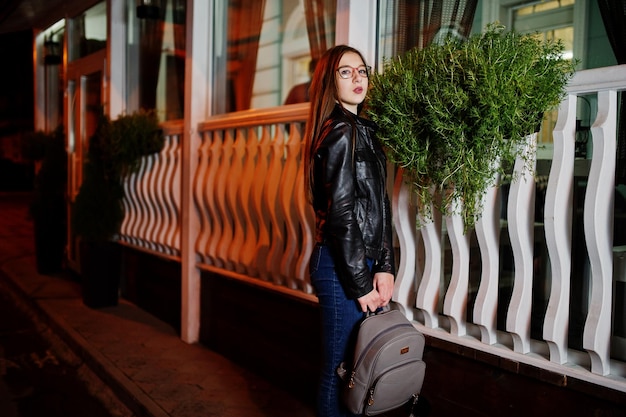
[351,90]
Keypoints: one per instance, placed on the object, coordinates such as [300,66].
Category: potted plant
[115,150]
[48,206]
[454,115]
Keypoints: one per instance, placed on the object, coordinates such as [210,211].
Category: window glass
[552,20]
[156,57]
[88,32]
[53,40]
[543,6]
[264,48]
[404,25]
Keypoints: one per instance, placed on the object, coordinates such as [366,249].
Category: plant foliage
[453,114]
[51,179]
[115,151]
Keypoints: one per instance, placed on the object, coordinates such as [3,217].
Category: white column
[197,108]
[116,59]
[39,82]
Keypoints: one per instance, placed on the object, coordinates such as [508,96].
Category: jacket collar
[340,113]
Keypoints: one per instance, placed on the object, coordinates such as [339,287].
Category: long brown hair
[324,96]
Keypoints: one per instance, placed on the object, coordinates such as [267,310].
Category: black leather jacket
[352,210]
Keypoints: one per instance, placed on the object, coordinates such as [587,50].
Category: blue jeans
[339,318]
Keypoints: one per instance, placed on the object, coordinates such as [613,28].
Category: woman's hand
[370,301]
[380,295]
[383,283]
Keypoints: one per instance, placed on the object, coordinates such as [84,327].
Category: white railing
[255,224]
[249,191]
[440,310]
[152,204]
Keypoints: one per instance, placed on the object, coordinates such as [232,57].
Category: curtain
[320,24]
[614,17]
[415,24]
[150,46]
[245,20]
[179,19]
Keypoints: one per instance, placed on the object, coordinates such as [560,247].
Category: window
[416,24]
[88,32]
[264,48]
[156,57]
[552,20]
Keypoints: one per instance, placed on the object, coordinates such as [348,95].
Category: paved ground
[39,375]
[141,359]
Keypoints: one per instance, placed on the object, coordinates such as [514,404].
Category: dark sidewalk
[143,360]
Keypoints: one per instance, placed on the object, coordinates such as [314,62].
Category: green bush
[454,114]
[115,151]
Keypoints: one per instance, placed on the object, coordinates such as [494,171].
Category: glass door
[85,103]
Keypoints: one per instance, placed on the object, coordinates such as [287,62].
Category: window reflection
[156,58]
[88,32]
[262,49]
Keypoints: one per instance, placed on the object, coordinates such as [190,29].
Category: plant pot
[100,267]
[49,245]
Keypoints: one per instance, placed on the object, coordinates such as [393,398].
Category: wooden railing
[255,224]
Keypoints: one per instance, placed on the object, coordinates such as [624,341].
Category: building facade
[220,210]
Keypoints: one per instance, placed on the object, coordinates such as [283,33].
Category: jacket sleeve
[343,234]
[387,262]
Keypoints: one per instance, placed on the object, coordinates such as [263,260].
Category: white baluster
[598,218]
[455,301]
[216,184]
[235,208]
[260,204]
[404,221]
[428,291]
[277,242]
[204,182]
[129,204]
[145,173]
[162,195]
[306,220]
[521,218]
[174,195]
[247,255]
[558,224]
[226,182]
[138,228]
[488,235]
[288,187]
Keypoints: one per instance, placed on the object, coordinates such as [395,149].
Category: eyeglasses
[347,71]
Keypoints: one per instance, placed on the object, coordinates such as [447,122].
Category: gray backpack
[388,370]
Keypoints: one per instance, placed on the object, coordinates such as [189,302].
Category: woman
[352,266]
